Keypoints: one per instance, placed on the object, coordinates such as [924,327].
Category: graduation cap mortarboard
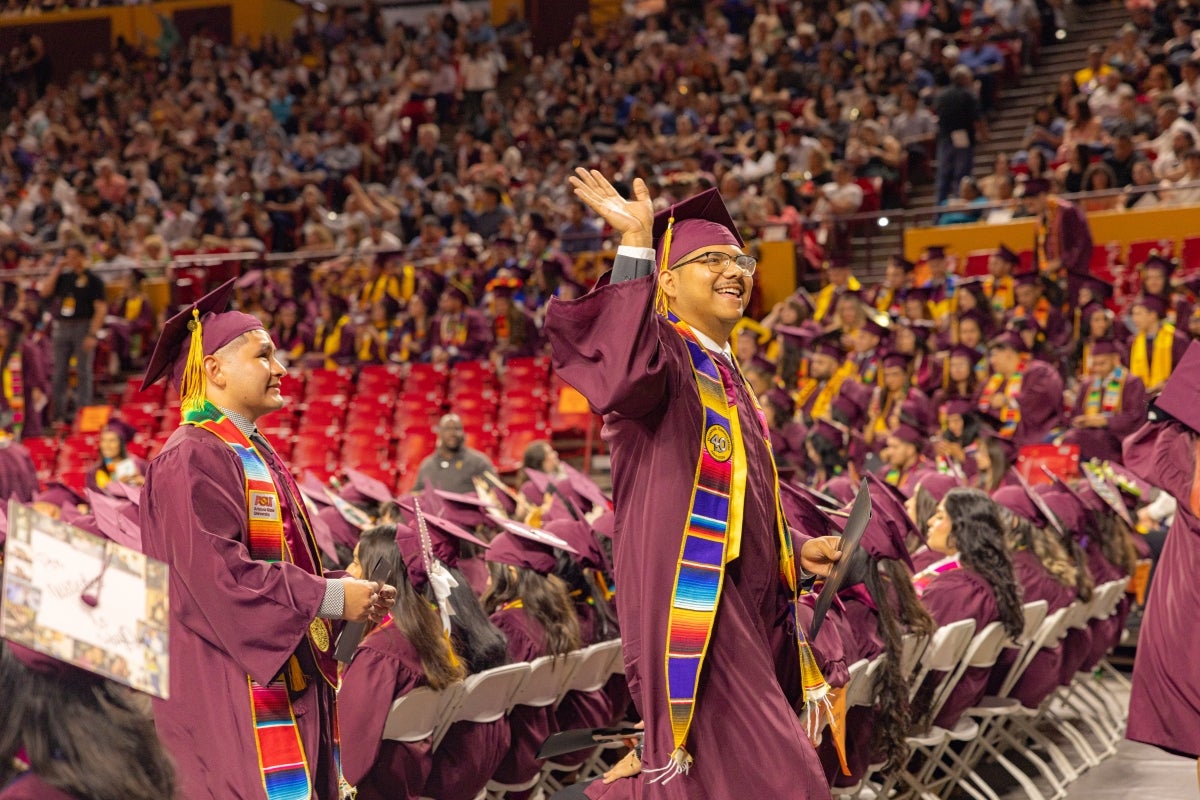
[938,484]
[59,494]
[888,504]
[1047,513]
[877,324]
[897,359]
[969,353]
[921,294]
[197,331]
[856,525]
[1011,340]
[586,488]
[1106,346]
[780,399]
[519,545]
[1159,262]
[1020,502]
[907,433]
[1178,396]
[903,263]
[958,406]
[1153,303]
[124,431]
[699,221]
[1027,279]
[1065,507]
[311,487]
[580,536]
[1008,446]
[1100,290]
[829,344]
[935,251]
[982,318]
[1007,256]
[361,488]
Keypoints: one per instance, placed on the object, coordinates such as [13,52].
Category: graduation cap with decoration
[520,545]
[362,489]
[701,220]
[199,330]
[1009,339]
[1157,262]
[878,324]
[829,344]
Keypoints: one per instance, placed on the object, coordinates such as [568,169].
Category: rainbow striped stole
[711,539]
[281,756]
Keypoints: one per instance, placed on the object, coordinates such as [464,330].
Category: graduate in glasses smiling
[704,559]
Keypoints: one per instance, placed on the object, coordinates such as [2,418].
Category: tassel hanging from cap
[192,389]
[660,299]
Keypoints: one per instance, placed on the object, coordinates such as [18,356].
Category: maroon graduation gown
[1041,403]
[634,368]
[957,595]
[530,726]
[18,475]
[1042,675]
[385,668]
[29,786]
[231,617]
[1164,706]
[1105,443]
[477,337]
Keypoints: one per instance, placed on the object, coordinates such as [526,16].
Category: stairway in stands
[1094,23]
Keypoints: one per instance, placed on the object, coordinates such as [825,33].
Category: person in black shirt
[81,306]
[959,121]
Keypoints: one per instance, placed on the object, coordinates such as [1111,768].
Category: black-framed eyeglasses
[719,262]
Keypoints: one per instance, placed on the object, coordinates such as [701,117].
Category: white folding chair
[592,672]
[486,697]
[415,716]
[541,687]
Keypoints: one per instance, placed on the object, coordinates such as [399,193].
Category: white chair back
[861,688]
[593,669]
[1053,628]
[486,697]
[913,646]
[547,676]
[415,716]
[945,651]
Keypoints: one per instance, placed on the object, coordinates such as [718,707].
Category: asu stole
[281,757]
[712,539]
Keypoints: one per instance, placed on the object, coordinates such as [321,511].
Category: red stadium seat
[977,262]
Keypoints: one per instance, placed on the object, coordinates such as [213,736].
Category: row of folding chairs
[1085,715]
[426,714]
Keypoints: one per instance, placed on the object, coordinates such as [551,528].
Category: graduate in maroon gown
[1023,393]
[1164,707]
[717,725]
[116,464]
[533,609]
[906,467]
[78,734]
[1064,240]
[251,617]
[1110,406]
[1157,346]
[1046,571]
[460,332]
[407,650]
[973,580]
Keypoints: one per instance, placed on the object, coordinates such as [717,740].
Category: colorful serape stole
[711,539]
[281,756]
[1010,415]
[925,577]
[1104,394]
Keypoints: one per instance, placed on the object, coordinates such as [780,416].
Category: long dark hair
[415,618]
[889,583]
[584,589]
[544,597]
[926,507]
[978,534]
[478,642]
[998,458]
[1116,542]
[88,737]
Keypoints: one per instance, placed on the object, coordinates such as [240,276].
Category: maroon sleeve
[608,345]
[1164,455]
[959,595]
[370,683]
[194,518]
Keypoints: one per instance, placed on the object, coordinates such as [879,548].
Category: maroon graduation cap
[582,538]
[520,545]
[701,220]
[1178,396]
[362,489]
[207,316]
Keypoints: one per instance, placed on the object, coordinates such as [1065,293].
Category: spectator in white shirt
[1171,166]
[841,195]
[1105,99]
[1186,195]
[1187,91]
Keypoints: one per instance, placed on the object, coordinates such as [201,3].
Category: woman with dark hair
[826,447]
[994,455]
[407,650]
[879,607]
[116,464]
[533,608]
[290,334]
[82,736]
[414,336]
[469,752]
[1046,570]
[974,580]
[1071,173]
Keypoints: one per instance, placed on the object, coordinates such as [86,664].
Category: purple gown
[1105,443]
[634,368]
[1164,707]
[1042,675]
[231,617]
[385,668]
[957,595]
[530,726]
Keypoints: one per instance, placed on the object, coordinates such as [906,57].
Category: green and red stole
[1104,394]
[711,539]
[281,757]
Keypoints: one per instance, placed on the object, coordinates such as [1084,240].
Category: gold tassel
[192,388]
[660,300]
